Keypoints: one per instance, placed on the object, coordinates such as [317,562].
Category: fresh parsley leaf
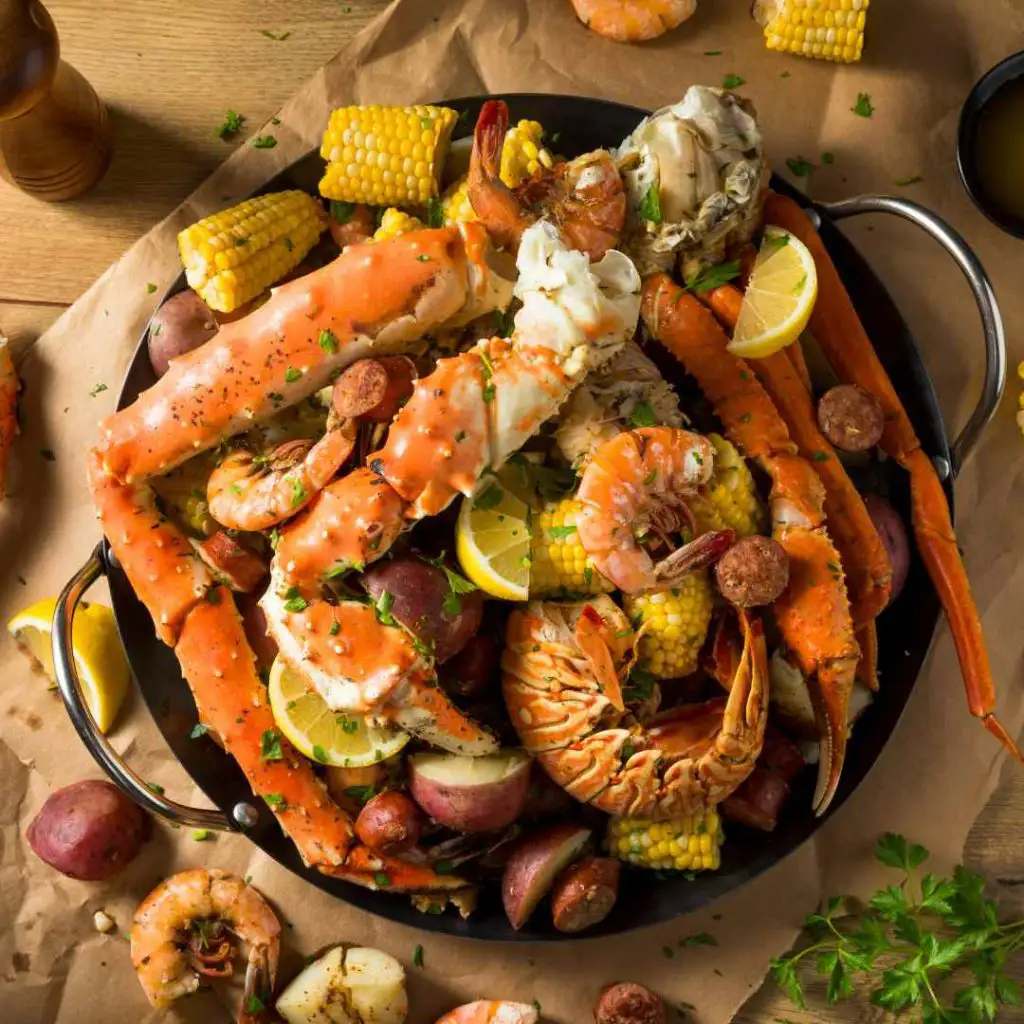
[714,276]
[894,851]
[828,158]
[733,81]
[642,415]
[328,341]
[700,939]
[264,142]
[561,531]
[361,794]
[319,753]
[649,206]
[490,498]
[713,53]
[784,973]
[253,1004]
[155,787]
[100,386]
[863,107]
[270,745]
[291,375]
[435,213]
[417,957]
[383,606]
[198,730]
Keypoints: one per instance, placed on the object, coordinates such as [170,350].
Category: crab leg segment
[842,338]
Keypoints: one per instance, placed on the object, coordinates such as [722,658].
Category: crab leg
[371,299]
[842,338]
[814,612]
[865,561]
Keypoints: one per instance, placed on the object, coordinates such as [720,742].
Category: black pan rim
[169,701]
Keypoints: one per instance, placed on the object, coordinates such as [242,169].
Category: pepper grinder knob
[55,137]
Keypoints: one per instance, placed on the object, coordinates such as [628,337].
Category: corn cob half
[690,843]
[233,256]
[523,153]
[673,625]
[455,204]
[386,156]
[558,563]
[821,29]
[730,499]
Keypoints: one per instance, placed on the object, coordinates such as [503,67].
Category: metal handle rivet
[245,815]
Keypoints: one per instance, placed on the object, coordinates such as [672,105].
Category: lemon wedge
[343,740]
[492,540]
[99,657]
[779,298]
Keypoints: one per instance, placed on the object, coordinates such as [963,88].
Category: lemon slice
[99,657]
[343,740]
[492,540]
[779,298]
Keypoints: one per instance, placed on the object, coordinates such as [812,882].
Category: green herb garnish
[733,81]
[270,745]
[799,166]
[342,212]
[712,277]
[328,342]
[435,213]
[650,206]
[264,142]
[863,107]
[231,125]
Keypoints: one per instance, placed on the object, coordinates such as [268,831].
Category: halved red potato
[471,794]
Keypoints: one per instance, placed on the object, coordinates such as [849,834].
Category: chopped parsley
[650,206]
[198,730]
[641,685]
[712,277]
[294,601]
[100,386]
[435,213]
[270,745]
[503,323]
[361,794]
[383,607]
[381,879]
[491,498]
[155,787]
[275,800]
[561,531]
[335,628]
[733,81]
[298,492]
[231,125]
[342,212]
[291,375]
[773,243]
[642,415]
[328,342]
[904,182]
[264,142]
[150,287]
[417,957]
[713,53]
[799,166]
[319,753]
[200,835]
[863,107]
[700,939]
[423,258]
[828,158]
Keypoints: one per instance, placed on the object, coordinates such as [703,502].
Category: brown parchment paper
[939,768]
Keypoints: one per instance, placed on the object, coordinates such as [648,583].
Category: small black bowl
[993,82]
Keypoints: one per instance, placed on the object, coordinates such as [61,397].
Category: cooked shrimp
[8,407]
[256,492]
[584,197]
[486,1011]
[178,934]
[636,484]
[633,21]
[351,225]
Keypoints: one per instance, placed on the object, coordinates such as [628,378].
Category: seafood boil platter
[553,514]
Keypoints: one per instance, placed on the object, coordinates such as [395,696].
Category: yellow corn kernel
[729,500]
[558,562]
[455,204]
[673,624]
[233,256]
[386,156]
[396,222]
[822,29]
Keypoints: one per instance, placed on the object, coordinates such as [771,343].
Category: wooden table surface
[168,73]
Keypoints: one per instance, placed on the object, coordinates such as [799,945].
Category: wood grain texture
[168,72]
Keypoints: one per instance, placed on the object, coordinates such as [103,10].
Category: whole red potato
[89,830]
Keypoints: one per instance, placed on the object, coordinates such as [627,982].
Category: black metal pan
[905,629]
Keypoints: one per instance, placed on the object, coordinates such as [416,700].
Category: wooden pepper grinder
[55,136]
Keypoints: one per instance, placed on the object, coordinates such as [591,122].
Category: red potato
[585,893]
[759,801]
[533,865]
[390,823]
[545,798]
[241,569]
[471,794]
[89,830]
[628,1002]
[470,672]
[780,755]
[182,323]
[423,601]
[889,524]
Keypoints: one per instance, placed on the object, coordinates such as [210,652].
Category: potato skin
[418,593]
[753,572]
[585,893]
[89,830]
[889,524]
[181,324]
[470,672]
[628,1002]
[759,801]
[390,823]
[851,418]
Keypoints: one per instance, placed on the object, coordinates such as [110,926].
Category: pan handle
[105,755]
[991,321]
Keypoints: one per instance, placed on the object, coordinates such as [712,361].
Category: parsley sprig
[917,941]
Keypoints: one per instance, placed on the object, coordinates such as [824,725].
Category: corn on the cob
[455,204]
[234,255]
[730,499]
[690,843]
[822,29]
[396,222]
[386,156]
[673,625]
[522,154]
[558,562]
